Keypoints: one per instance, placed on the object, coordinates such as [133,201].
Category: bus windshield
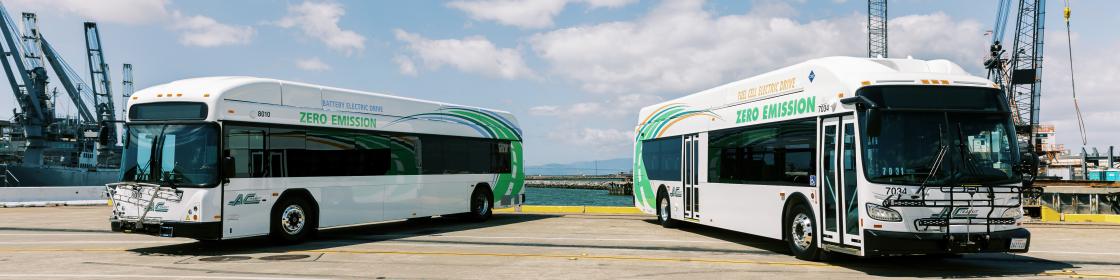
[178,155]
[976,145]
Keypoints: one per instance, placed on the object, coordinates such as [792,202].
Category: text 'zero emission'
[340,120]
[777,110]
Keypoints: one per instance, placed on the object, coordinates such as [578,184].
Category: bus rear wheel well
[306,195]
[484,186]
[794,199]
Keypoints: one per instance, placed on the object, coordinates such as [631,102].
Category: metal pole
[1084,164]
[1111,158]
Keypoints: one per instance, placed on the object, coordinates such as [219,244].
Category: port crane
[102,91]
[48,136]
[1020,75]
[877,28]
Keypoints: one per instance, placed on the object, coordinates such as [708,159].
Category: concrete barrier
[52,196]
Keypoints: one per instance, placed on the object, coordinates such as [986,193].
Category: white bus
[230,157]
[860,156]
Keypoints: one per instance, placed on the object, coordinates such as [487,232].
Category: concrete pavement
[74,243]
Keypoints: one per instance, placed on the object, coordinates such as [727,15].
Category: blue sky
[575,72]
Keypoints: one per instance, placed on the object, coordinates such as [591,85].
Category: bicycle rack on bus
[136,193]
[954,202]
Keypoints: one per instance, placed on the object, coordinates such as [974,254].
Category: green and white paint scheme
[805,92]
[340,201]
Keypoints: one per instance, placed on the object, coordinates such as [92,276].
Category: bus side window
[246,146]
[501,158]
[282,142]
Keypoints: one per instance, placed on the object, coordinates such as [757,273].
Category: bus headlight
[1013,213]
[881,213]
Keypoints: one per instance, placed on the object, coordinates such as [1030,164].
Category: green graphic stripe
[642,185]
[644,194]
[500,130]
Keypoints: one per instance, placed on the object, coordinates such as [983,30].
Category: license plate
[1018,243]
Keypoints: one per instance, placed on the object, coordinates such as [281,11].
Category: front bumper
[879,242]
[194,230]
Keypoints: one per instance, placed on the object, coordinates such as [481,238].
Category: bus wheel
[664,216]
[802,233]
[481,205]
[291,220]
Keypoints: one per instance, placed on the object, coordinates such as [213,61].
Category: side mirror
[228,167]
[874,122]
[103,135]
[1028,163]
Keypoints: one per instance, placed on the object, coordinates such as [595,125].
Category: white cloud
[1098,71]
[593,136]
[525,13]
[405,65]
[312,64]
[196,30]
[938,35]
[320,21]
[202,31]
[608,3]
[108,11]
[602,142]
[544,110]
[623,105]
[471,54]
[679,46]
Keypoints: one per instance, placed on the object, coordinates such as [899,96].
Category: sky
[574,72]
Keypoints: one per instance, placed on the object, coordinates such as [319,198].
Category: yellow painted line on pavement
[1075,274]
[611,210]
[567,256]
[572,209]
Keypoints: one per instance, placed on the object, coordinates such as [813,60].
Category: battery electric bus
[859,156]
[230,157]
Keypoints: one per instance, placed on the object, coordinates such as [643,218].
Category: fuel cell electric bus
[859,156]
[231,157]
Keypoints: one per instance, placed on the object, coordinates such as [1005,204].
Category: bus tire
[482,205]
[664,210]
[802,238]
[292,221]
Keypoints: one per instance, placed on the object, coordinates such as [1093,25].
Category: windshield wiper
[936,164]
[966,153]
[940,159]
[157,153]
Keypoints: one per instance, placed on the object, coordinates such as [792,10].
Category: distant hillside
[607,166]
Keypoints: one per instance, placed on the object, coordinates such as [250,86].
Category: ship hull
[60,176]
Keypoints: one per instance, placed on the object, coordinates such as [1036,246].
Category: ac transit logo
[245,199]
[960,212]
[158,207]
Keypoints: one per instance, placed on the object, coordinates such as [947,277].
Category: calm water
[553,196]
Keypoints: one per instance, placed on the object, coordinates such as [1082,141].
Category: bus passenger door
[827,183]
[839,205]
[689,176]
[853,224]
